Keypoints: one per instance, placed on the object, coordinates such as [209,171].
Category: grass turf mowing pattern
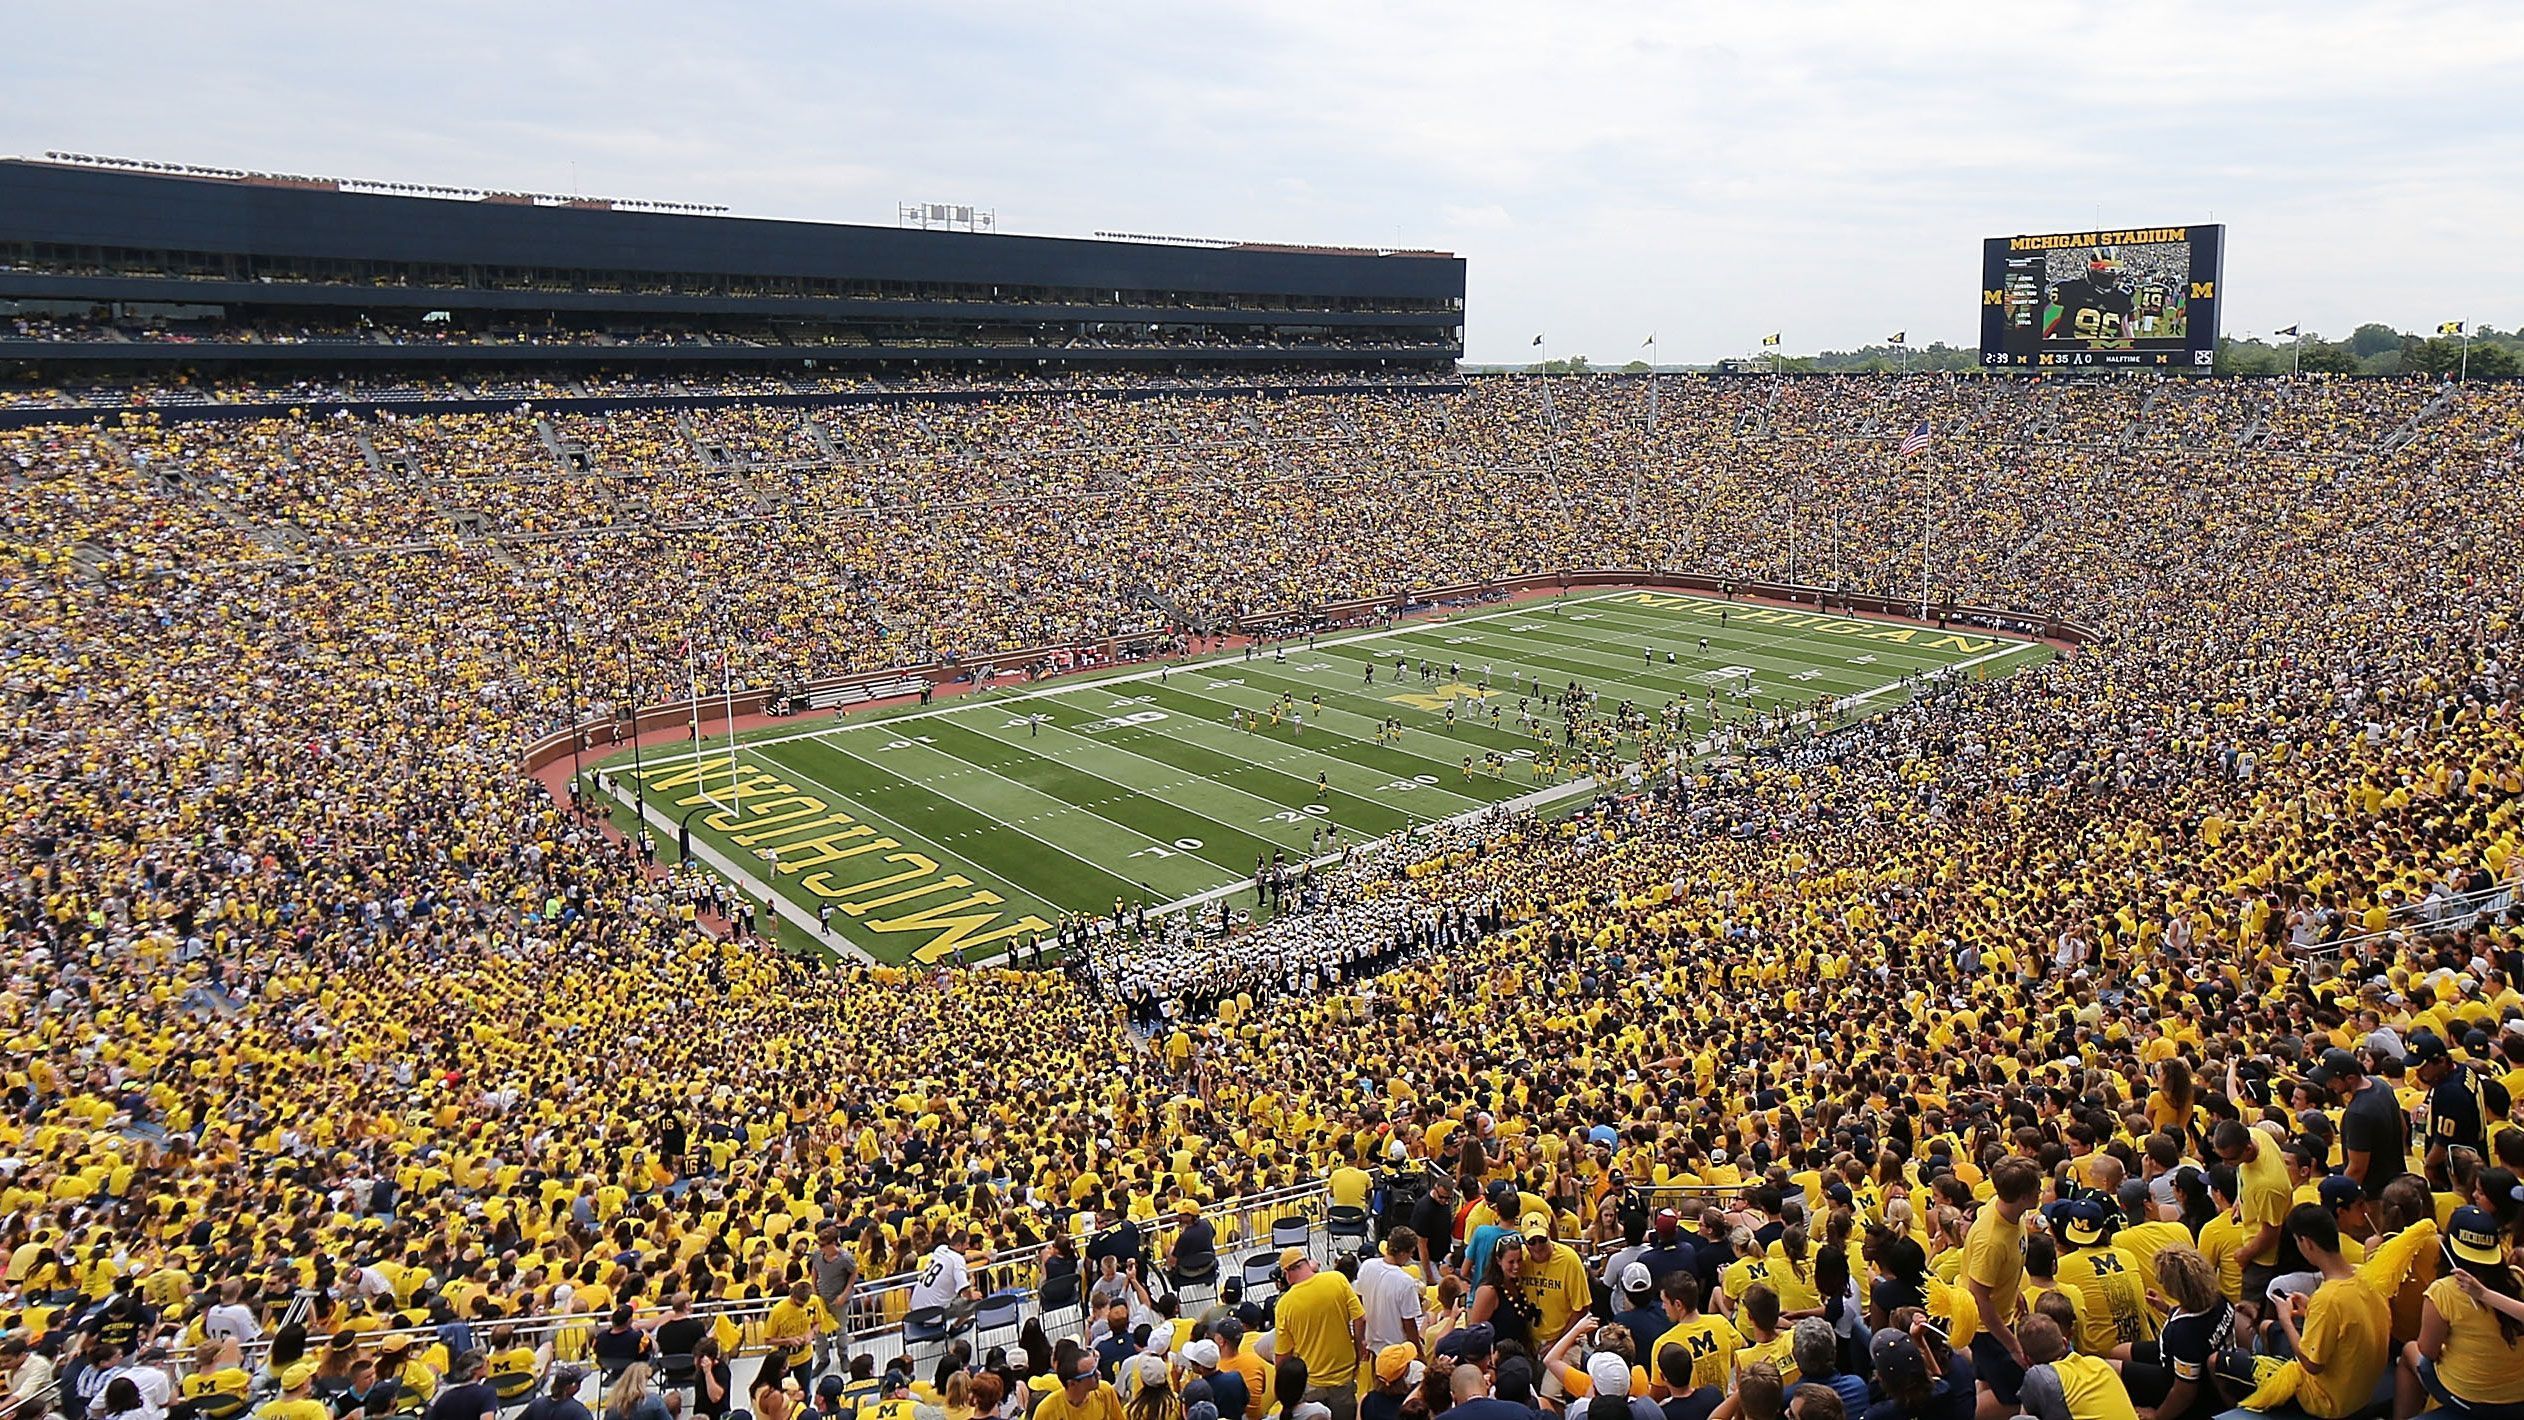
[969,821]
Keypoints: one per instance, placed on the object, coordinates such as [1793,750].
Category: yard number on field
[1159,850]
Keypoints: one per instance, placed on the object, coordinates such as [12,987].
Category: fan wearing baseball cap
[1555,1281]
[1322,1323]
[297,1398]
[2469,1357]
[1668,1250]
[1609,1392]
[2108,1280]
[1398,1371]
[1636,1307]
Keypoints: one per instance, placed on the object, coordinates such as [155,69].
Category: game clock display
[2127,298]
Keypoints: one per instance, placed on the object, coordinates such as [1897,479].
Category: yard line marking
[855,801]
[995,702]
[1699,750]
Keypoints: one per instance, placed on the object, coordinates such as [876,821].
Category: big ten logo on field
[865,873]
[1437,700]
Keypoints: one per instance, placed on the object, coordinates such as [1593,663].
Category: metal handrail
[2426,913]
[875,1308]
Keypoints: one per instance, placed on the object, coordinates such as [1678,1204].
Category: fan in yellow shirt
[296,1400]
[1706,1344]
[2470,1350]
[2340,1334]
[2108,1281]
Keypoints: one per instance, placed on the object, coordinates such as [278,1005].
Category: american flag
[1918,440]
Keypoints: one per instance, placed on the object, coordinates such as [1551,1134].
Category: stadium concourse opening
[977,829]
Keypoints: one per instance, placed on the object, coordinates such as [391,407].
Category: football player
[2096,307]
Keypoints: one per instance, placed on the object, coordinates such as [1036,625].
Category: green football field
[971,824]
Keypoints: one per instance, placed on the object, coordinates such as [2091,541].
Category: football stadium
[613,807]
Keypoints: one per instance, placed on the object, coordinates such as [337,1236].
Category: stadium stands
[315,998]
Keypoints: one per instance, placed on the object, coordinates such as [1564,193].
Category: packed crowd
[323,1020]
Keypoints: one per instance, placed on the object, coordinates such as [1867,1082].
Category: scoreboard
[2133,298]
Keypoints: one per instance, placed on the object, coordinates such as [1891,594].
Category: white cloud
[1823,168]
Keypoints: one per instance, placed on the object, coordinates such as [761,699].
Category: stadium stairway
[368,448]
[2137,426]
[823,439]
[562,452]
[2417,424]
[1150,596]
[94,561]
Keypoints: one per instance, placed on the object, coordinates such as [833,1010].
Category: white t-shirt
[231,1320]
[1390,1296]
[941,1281]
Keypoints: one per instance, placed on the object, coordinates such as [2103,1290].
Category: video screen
[2131,298]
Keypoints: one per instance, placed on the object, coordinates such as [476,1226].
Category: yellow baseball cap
[1398,1361]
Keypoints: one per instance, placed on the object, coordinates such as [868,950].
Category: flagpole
[1651,386]
[2296,358]
[727,701]
[1927,516]
[1550,416]
[1636,469]
[2464,378]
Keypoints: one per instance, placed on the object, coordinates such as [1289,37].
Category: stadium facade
[154,272]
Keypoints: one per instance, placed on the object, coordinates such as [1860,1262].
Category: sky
[1701,173]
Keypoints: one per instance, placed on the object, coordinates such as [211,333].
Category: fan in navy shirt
[1511,1393]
